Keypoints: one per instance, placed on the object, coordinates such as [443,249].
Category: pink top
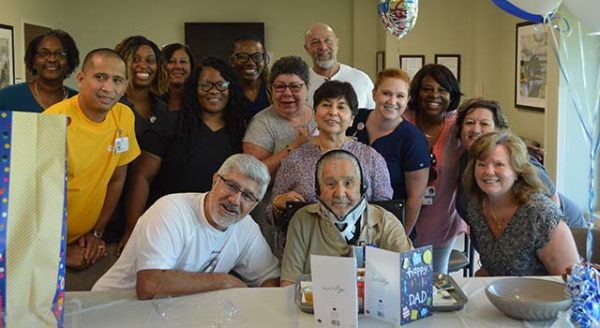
[439,222]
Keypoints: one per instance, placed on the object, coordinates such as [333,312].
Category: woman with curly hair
[185,150]
[520,231]
[147,80]
[50,57]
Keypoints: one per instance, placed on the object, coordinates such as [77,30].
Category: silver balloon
[398,16]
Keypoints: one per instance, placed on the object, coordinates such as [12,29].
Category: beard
[325,63]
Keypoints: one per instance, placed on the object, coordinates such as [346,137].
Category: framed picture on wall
[531,67]
[411,63]
[450,61]
[379,61]
[7,56]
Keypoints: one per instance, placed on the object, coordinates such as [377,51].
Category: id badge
[121,145]
[429,195]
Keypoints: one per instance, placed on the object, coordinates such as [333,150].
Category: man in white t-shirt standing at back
[322,45]
[188,243]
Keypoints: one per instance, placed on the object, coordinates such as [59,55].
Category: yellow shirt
[92,160]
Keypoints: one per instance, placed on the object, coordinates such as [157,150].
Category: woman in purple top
[335,107]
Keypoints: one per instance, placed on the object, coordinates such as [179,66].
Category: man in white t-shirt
[189,243]
[322,45]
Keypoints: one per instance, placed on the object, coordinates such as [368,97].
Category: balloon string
[592,137]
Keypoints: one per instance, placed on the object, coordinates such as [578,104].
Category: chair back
[580,236]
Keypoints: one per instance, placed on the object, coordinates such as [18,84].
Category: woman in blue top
[50,57]
[401,144]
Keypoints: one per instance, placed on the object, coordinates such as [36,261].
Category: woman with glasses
[50,57]
[336,105]
[434,97]
[401,144]
[183,153]
[147,80]
[250,60]
[288,123]
[180,62]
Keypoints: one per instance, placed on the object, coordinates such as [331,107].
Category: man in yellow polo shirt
[100,143]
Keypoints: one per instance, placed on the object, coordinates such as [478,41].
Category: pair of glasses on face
[433,173]
[44,54]
[208,85]
[294,87]
[244,57]
[234,188]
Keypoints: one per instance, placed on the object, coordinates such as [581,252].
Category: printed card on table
[398,286]
[334,291]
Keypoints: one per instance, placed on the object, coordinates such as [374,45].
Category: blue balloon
[516,11]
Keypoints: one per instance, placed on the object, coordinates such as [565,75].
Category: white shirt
[362,84]
[173,234]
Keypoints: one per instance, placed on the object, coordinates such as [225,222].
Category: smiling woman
[51,57]
[187,147]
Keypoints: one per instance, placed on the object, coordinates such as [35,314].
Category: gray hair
[338,154]
[250,167]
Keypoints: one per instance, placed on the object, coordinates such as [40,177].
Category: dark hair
[493,106]
[266,72]
[442,75]
[170,49]
[104,52]
[69,46]
[191,111]
[127,49]
[528,180]
[337,90]
[290,65]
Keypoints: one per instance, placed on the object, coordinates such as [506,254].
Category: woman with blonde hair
[520,231]
[401,144]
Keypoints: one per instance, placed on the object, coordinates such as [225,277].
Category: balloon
[538,7]
[530,10]
[398,16]
[587,11]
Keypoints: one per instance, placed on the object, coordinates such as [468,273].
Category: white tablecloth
[257,307]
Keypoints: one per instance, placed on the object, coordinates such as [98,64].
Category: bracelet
[275,207]
[288,148]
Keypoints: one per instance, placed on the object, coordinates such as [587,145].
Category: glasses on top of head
[58,54]
[244,57]
[234,188]
[208,85]
[294,87]
[433,173]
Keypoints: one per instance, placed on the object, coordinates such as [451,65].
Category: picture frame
[7,56]
[379,61]
[411,64]
[531,67]
[452,61]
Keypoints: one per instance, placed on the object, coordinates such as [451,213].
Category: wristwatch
[97,233]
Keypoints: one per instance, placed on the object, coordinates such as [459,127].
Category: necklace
[499,224]
[37,97]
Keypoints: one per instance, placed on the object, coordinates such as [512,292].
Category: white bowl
[528,298]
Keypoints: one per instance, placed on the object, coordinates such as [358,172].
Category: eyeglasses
[59,54]
[294,87]
[244,57]
[433,173]
[208,85]
[234,188]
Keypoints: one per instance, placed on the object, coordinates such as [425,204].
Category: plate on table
[447,295]
[529,298]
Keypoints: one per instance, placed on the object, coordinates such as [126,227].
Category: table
[258,307]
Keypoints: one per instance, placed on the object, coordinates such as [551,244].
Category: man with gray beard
[322,45]
[189,243]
